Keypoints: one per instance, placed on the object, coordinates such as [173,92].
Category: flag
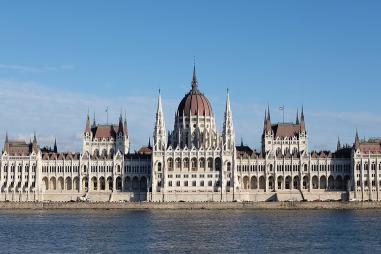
[281,108]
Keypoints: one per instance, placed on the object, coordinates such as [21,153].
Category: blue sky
[59,58]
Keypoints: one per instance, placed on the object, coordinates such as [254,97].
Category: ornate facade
[192,162]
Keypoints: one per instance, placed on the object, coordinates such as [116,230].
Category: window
[186,183]
[202,183]
[193,183]
[170,183]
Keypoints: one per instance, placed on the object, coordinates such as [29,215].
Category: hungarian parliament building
[191,163]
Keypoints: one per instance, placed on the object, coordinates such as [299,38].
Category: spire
[120,127]
[267,125]
[6,144]
[94,123]
[160,139]
[194,78]
[297,116]
[302,124]
[149,142]
[241,141]
[55,145]
[88,128]
[338,143]
[357,139]
[228,127]
[34,138]
[125,130]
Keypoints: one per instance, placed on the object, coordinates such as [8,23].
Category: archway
[262,183]
[331,183]
[245,182]
[271,182]
[127,183]
[110,183]
[253,183]
[102,183]
[76,183]
[296,182]
[68,183]
[143,184]
[280,183]
[339,183]
[52,183]
[118,183]
[287,183]
[135,184]
[323,182]
[306,182]
[315,182]
[45,182]
[94,183]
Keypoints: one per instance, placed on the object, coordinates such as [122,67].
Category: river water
[190,231]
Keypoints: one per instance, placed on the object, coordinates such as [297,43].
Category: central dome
[194,102]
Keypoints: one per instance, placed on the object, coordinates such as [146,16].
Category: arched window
[159,167]
[178,163]
[186,163]
[170,164]
[202,163]
[228,166]
[210,163]
[218,164]
[194,164]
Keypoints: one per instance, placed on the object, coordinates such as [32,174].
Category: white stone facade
[192,162]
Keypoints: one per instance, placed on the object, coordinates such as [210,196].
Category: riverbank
[190,206]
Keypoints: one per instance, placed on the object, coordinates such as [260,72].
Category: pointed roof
[338,143]
[194,78]
[195,103]
[55,145]
[88,127]
[297,116]
[120,127]
[125,130]
[94,122]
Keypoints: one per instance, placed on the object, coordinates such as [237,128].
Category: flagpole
[283,114]
[107,115]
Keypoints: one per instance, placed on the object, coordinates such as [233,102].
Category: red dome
[195,103]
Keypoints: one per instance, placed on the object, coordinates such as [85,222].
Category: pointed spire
[160,140]
[94,123]
[88,128]
[357,139]
[125,129]
[120,127]
[55,145]
[241,141]
[228,127]
[149,142]
[6,137]
[297,116]
[338,143]
[268,113]
[194,78]
[302,124]
[34,138]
